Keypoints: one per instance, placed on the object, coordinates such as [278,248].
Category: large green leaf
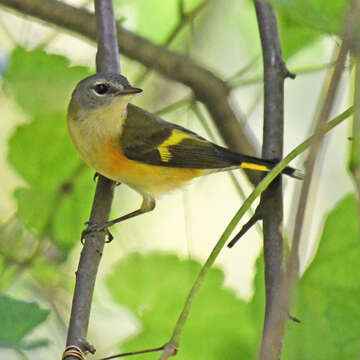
[328,298]
[294,35]
[41,150]
[40,82]
[18,319]
[16,247]
[155,287]
[326,16]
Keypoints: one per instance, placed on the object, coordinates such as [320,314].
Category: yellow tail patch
[251,166]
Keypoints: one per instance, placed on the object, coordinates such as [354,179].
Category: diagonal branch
[107,59]
[207,87]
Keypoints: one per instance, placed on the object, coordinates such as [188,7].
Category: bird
[133,146]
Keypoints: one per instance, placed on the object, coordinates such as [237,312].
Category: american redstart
[132,146]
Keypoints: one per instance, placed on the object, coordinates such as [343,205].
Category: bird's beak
[129,91]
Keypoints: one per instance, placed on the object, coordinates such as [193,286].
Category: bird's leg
[147,205]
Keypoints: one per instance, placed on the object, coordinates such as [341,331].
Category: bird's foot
[96,175]
[96,227]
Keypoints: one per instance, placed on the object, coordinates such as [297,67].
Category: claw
[109,236]
[91,227]
[96,175]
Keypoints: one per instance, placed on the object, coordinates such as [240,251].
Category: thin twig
[130,353]
[302,70]
[243,70]
[175,105]
[184,19]
[107,59]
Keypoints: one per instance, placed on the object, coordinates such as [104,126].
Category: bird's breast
[101,149]
[145,178]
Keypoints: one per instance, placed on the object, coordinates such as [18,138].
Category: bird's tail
[254,163]
[236,160]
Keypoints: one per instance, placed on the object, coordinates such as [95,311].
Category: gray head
[101,89]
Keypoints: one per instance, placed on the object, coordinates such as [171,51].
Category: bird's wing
[149,139]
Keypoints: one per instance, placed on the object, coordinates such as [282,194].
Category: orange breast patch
[151,179]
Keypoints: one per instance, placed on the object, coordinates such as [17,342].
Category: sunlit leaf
[59,188]
[155,287]
[41,83]
[326,16]
[328,299]
[17,319]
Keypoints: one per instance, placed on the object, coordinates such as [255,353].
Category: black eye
[101,88]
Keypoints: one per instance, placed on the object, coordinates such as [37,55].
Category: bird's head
[98,91]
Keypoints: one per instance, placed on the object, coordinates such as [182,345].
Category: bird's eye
[101,89]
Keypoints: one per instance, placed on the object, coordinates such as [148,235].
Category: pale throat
[109,120]
[95,127]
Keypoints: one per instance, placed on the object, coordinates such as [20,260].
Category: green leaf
[45,200]
[40,82]
[294,35]
[326,16]
[302,22]
[16,247]
[41,151]
[155,287]
[328,298]
[50,274]
[18,319]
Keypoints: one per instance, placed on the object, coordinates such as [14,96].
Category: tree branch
[207,87]
[107,59]
[271,205]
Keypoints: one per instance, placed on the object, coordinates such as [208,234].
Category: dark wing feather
[151,140]
[145,138]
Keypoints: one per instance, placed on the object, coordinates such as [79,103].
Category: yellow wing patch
[251,166]
[175,138]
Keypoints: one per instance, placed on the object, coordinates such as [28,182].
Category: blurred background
[41,225]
